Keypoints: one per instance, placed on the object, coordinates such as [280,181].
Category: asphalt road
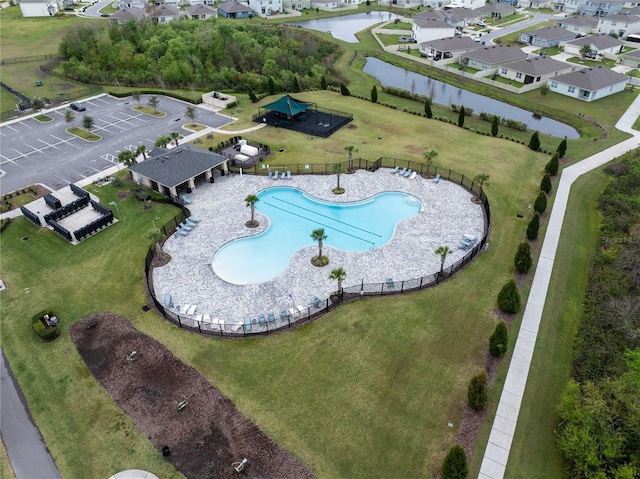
[27,451]
[33,152]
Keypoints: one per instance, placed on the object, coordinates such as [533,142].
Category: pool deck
[447,215]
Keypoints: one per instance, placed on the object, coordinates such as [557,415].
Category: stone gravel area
[447,214]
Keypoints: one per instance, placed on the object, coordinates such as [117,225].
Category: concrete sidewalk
[496,454]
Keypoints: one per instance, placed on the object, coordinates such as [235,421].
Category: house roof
[431,15]
[610,2]
[600,41]
[592,79]
[234,7]
[173,167]
[127,14]
[551,33]
[432,23]
[452,44]
[496,8]
[459,14]
[537,66]
[165,11]
[200,10]
[579,21]
[496,54]
[625,16]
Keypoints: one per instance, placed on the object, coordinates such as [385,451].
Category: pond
[445,94]
[345,27]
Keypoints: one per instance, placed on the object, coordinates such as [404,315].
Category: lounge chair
[191,223]
[247,324]
[207,319]
[192,310]
[195,218]
[283,314]
[315,301]
[407,173]
[181,231]
[167,301]
[437,178]
[293,312]
[185,199]
[261,319]
[288,175]
[470,238]
[402,171]
[301,309]
[271,318]
[270,174]
[199,318]
[413,175]
[395,170]
[390,282]
[185,308]
[186,227]
[275,176]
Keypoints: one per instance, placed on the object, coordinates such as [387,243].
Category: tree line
[186,54]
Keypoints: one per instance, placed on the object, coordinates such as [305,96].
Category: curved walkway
[496,454]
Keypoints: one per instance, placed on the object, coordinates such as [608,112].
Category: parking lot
[34,152]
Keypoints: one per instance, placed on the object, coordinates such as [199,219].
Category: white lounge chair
[192,310]
[413,175]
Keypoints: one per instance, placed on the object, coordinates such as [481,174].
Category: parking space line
[24,124]
[68,142]
[12,128]
[94,169]
[20,154]
[49,144]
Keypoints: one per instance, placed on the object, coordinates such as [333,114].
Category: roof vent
[177,151]
[167,156]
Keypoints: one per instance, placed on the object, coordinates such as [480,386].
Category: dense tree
[271,86]
[136,95]
[494,125]
[540,205]
[523,260]
[250,201]
[478,391]
[427,109]
[562,148]
[509,298]
[499,339]
[455,465]
[533,227]
[461,116]
[534,142]
[252,96]
[154,102]
[374,94]
[323,83]
[296,84]
[545,184]
[553,165]
[191,114]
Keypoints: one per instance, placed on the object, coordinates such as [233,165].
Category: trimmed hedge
[509,298]
[158,92]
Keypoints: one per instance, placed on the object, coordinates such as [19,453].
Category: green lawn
[399,26]
[508,20]
[605,62]
[513,38]
[84,134]
[6,471]
[149,111]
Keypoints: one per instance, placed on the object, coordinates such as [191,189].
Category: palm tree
[482,178]
[319,236]
[175,136]
[136,96]
[338,169]
[153,103]
[162,141]
[338,274]
[87,122]
[142,150]
[127,158]
[251,201]
[351,150]
[585,50]
[37,104]
[443,251]
[429,156]
[69,117]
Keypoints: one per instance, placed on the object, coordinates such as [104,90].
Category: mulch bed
[205,437]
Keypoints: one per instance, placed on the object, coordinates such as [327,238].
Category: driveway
[34,152]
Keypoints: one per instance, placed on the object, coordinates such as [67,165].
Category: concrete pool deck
[447,215]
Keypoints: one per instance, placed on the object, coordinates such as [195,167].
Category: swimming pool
[294,215]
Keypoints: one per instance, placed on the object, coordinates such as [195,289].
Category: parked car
[481,24]
[105,15]
[404,39]
[77,106]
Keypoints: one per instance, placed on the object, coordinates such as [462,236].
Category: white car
[481,24]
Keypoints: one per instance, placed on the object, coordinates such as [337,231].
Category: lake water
[345,27]
[445,94]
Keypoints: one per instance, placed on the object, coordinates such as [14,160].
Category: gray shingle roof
[496,8]
[234,7]
[165,11]
[200,10]
[537,66]
[496,54]
[592,79]
[580,21]
[452,44]
[625,16]
[128,13]
[432,23]
[173,167]
[600,41]
[551,33]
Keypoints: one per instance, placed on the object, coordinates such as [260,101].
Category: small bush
[553,165]
[540,204]
[509,298]
[545,184]
[534,226]
[562,148]
[523,258]
[455,464]
[344,91]
[499,339]
[478,391]
[534,142]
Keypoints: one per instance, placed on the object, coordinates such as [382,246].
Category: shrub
[534,226]
[562,148]
[509,298]
[374,94]
[461,117]
[252,96]
[553,165]
[534,142]
[427,109]
[232,104]
[344,91]
[46,334]
[499,339]
[478,391]
[523,258]
[540,204]
[494,125]
[545,184]
[323,83]
[455,464]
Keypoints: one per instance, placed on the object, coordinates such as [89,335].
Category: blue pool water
[294,215]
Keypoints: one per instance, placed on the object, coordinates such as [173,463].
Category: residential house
[233,9]
[602,8]
[534,70]
[201,12]
[296,4]
[580,25]
[589,84]
[631,59]
[425,30]
[125,15]
[598,44]
[201,2]
[491,57]
[497,10]
[436,3]
[266,7]
[406,3]
[546,37]
[164,13]
[510,2]
[326,5]
[451,47]
[39,8]
[569,6]
[139,4]
[457,17]
[538,4]
[620,24]
[164,3]
[472,4]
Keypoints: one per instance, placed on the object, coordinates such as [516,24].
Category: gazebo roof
[288,105]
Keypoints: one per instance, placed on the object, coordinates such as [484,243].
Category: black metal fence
[298,317]
[32,58]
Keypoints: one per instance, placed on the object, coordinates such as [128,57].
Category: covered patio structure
[287,112]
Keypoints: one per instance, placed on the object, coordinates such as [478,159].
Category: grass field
[6,472]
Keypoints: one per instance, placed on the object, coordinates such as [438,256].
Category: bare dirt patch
[206,436]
